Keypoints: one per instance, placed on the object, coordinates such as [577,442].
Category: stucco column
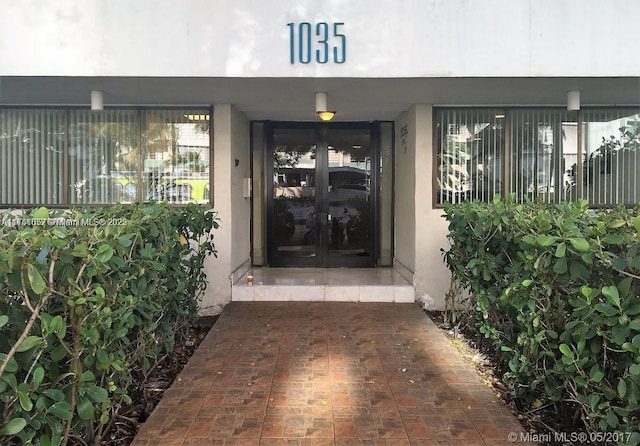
[230,166]
[432,278]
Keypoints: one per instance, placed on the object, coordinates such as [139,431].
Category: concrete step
[318,285]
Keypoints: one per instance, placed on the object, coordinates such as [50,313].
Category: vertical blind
[610,156]
[176,155]
[31,156]
[99,145]
[536,146]
[471,154]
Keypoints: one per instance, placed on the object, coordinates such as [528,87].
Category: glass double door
[321,203]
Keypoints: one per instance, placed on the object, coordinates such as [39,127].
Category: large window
[538,154]
[75,156]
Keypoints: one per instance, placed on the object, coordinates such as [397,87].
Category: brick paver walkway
[320,373]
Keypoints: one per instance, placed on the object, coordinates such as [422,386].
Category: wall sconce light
[97,100]
[321,107]
[573,100]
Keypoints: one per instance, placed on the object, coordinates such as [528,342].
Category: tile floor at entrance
[327,373]
[324,284]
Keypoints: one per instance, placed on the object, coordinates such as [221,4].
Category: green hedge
[90,301]
[555,288]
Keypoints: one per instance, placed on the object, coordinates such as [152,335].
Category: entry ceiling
[292,99]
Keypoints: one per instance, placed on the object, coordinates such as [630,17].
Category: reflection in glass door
[348,200]
[293,198]
[320,208]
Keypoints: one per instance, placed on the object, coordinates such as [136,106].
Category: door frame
[322,259]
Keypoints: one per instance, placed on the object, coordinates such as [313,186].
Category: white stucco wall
[420,230]
[230,142]
[250,38]
[404,190]
[241,207]
[432,276]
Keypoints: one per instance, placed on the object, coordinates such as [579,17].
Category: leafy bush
[91,300]
[555,289]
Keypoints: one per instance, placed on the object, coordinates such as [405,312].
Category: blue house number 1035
[321,42]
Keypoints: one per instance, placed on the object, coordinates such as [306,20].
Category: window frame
[576,116]
[139,111]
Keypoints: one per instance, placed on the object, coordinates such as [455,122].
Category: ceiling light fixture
[321,107]
[97,100]
[326,115]
[573,100]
